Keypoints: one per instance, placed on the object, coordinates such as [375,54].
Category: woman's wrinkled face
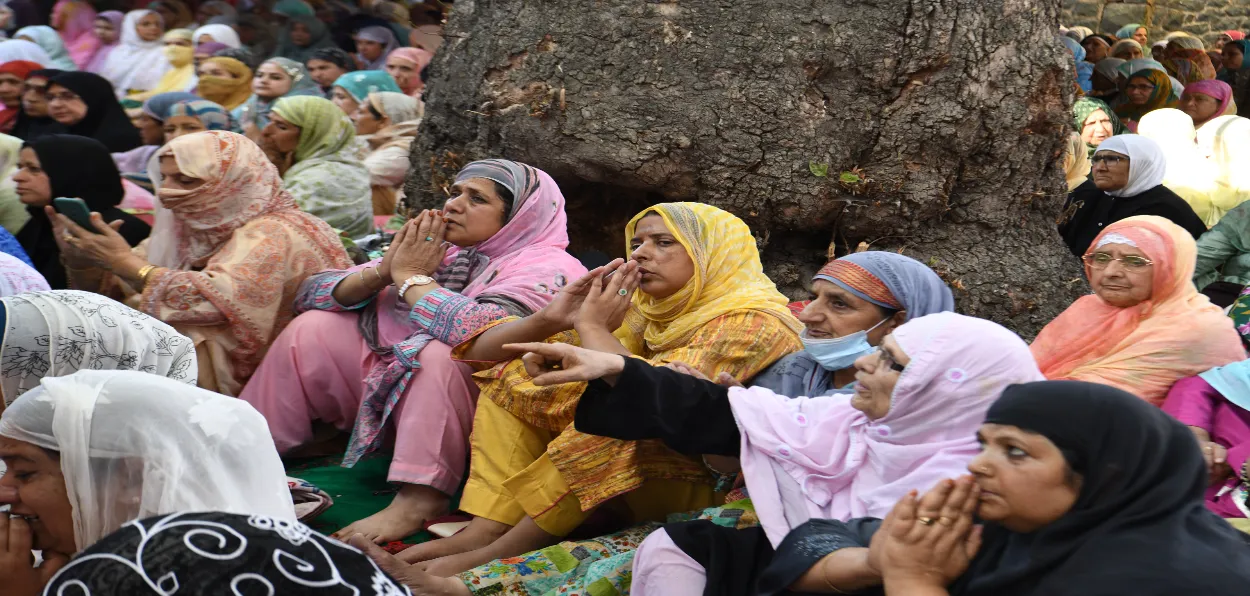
[474,213]
[172,178]
[1200,106]
[212,69]
[300,35]
[835,312]
[1110,170]
[271,81]
[150,27]
[1118,284]
[1139,90]
[1232,56]
[280,134]
[34,188]
[1141,37]
[151,130]
[1025,481]
[344,100]
[10,90]
[1095,50]
[105,31]
[35,97]
[876,374]
[1096,128]
[65,106]
[41,495]
[404,72]
[323,72]
[665,265]
[368,119]
[1128,53]
[370,50]
[177,126]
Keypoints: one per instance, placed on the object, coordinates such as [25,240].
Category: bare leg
[525,537]
[479,533]
[421,583]
[404,517]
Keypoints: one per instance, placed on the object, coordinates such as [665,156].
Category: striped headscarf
[213,116]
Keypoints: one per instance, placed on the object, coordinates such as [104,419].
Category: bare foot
[404,517]
[421,583]
[479,533]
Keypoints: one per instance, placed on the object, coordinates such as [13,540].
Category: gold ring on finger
[928,521]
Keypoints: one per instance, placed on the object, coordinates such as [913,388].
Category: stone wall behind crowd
[1204,18]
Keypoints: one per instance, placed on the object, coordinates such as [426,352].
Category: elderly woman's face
[177,126]
[1128,53]
[1096,128]
[1199,106]
[1025,481]
[835,312]
[1139,90]
[1140,36]
[1110,170]
[65,106]
[280,134]
[41,497]
[474,213]
[404,72]
[1095,50]
[663,262]
[876,374]
[1120,281]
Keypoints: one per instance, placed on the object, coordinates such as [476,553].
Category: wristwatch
[416,280]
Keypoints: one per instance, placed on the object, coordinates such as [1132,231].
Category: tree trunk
[934,127]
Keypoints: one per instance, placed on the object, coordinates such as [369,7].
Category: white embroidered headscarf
[58,332]
[133,445]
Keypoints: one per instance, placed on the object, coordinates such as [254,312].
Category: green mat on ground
[358,492]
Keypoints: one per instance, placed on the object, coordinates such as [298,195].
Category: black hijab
[105,121]
[203,554]
[1139,525]
[29,128]
[1089,211]
[77,167]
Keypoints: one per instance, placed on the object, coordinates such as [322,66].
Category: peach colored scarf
[1146,348]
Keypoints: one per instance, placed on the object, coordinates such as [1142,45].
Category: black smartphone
[76,210]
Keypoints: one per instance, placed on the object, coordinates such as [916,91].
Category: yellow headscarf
[226,92]
[728,277]
[182,76]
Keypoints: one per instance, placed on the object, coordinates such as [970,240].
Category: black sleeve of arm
[690,415]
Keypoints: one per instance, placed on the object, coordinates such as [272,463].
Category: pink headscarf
[1213,88]
[1235,35]
[417,56]
[75,20]
[820,457]
[524,262]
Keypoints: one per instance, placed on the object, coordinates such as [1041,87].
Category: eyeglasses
[1110,160]
[1100,260]
[64,96]
[885,359]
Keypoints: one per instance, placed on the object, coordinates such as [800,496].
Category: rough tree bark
[934,127]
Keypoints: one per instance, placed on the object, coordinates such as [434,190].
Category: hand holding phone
[77,211]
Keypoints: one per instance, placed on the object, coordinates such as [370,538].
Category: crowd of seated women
[667,423]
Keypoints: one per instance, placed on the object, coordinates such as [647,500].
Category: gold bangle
[144,271]
[375,272]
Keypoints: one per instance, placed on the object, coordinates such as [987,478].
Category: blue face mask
[840,352]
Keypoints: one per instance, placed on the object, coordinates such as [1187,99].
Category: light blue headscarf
[50,42]
[1127,31]
[361,83]
[912,283]
[1084,70]
[1232,381]
[157,106]
[212,115]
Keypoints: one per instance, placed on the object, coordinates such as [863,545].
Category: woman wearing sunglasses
[1145,326]
[1127,180]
